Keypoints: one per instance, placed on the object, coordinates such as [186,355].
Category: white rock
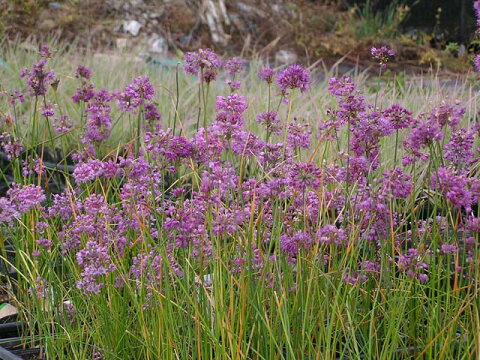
[157,44]
[7,310]
[132,27]
[285,57]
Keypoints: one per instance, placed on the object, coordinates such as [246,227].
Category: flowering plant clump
[382,55]
[284,227]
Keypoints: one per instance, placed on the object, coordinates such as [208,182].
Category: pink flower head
[294,77]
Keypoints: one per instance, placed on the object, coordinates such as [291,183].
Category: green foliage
[384,23]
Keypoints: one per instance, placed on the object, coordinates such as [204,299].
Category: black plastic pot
[7,355]
[14,349]
[10,329]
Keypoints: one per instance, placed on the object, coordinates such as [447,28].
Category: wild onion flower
[445,114]
[83,72]
[234,85]
[8,211]
[422,136]
[95,262]
[330,234]
[205,151]
[232,104]
[98,355]
[16,96]
[374,214]
[366,135]
[303,175]
[476,7]
[89,170]
[448,249]
[350,102]
[62,205]
[35,167]
[354,278]
[267,74]
[39,77]
[47,111]
[152,115]
[459,149]
[165,148]
[454,187]
[476,62]
[270,121]
[62,124]
[294,77]
[135,94]
[292,245]
[25,197]
[98,127]
[229,120]
[10,145]
[147,269]
[399,117]
[234,65]
[44,243]
[226,221]
[45,52]
[413,265]
[298,135]
[246,143]
[397,184]
[209,76]
[84,93]
[204,59]
[473,224]
[382,54]
[271,155]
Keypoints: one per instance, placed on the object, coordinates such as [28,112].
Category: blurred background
[423,33]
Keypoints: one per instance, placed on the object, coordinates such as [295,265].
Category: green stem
[396,146]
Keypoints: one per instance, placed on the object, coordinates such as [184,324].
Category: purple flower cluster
[204,60]
[135,94]
[86,91]
[20,199]
[382,55]
[397,184]
[476,63]
[456,188]
[413,265]
[139,217]
[293,244]
[89,170]
[234,65]
[62,124]
[39,78]
[303,175]
[294,77]
[267,75]
[99,120]
[459,149]
[95,262]
[10,145]
[83,72]
[270,121]
[422,136]
[350,102]
[399,117]
[16,96]
[476,7]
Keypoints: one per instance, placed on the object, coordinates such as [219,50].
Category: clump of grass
[305,217]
